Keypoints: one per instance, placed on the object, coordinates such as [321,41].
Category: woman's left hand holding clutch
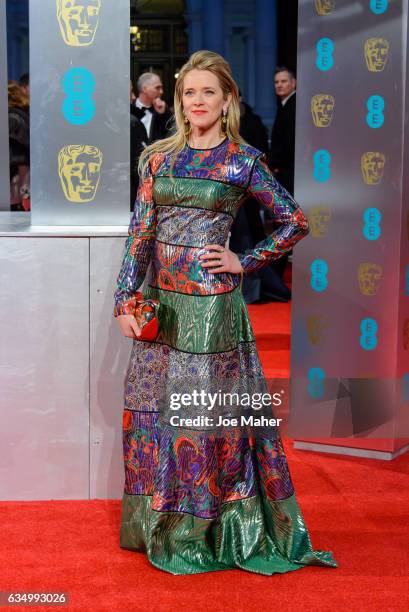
[129,326]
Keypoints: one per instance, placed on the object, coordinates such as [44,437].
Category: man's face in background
[153,89]
[284,84]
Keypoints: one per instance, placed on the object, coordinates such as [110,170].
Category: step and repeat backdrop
[79,69]
[350,326]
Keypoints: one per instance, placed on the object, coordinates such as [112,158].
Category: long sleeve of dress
[138,248]
[293,223]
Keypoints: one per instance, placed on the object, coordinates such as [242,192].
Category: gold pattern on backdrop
[322,109]
[317,326]
[78,21]
[319,218]
[372,166]
[376,53]
[79,168]
[369,277]
[324,7]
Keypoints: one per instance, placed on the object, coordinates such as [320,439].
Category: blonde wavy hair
[200,60]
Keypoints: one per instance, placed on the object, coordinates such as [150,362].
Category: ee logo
[371,228]
[368,339]
[315,386]
[375,117]
[378,6]
[324,60]
[322,166]
[319,271]
[78,107]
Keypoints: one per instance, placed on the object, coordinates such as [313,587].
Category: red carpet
[271,325]
[358,508]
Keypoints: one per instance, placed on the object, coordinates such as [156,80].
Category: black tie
[140,112]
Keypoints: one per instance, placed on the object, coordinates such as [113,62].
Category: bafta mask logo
[369,278]
[324,7]
[376,54]
[79,168]
[372,166]
[319,218]
[322,109]
[78,21]
[317,326]
[405,335]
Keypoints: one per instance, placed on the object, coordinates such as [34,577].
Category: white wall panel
[44,368]
[109,360]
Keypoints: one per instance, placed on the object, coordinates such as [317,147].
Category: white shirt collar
[140,104]
[287,98]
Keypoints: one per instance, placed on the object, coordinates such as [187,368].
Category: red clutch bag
[146,315]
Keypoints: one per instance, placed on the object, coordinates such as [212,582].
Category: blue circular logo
[319,271]
[322,166]
[371,228]
[78,107]
[315,387]
[375,117]
[368,339]
[324,60]
[378,6]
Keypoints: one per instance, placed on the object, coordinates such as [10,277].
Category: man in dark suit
[283,133]
[151,109]
[138,143]
[265,285]
[282,152]
[150,121]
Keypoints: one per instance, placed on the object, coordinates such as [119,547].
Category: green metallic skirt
[196,501]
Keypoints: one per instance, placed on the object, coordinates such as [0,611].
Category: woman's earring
[224,121]
[187,125]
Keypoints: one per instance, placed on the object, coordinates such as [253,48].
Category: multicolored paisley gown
[201,503]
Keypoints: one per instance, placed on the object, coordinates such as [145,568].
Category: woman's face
[203,100]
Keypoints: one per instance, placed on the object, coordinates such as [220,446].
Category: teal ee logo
[319,271]
[315,386]
[371,228]
[322,166]
[378,6]
[324,60]
[368,339]
[407,281]
[78,107]
[375,117]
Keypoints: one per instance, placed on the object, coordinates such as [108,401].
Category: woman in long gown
[195,500]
